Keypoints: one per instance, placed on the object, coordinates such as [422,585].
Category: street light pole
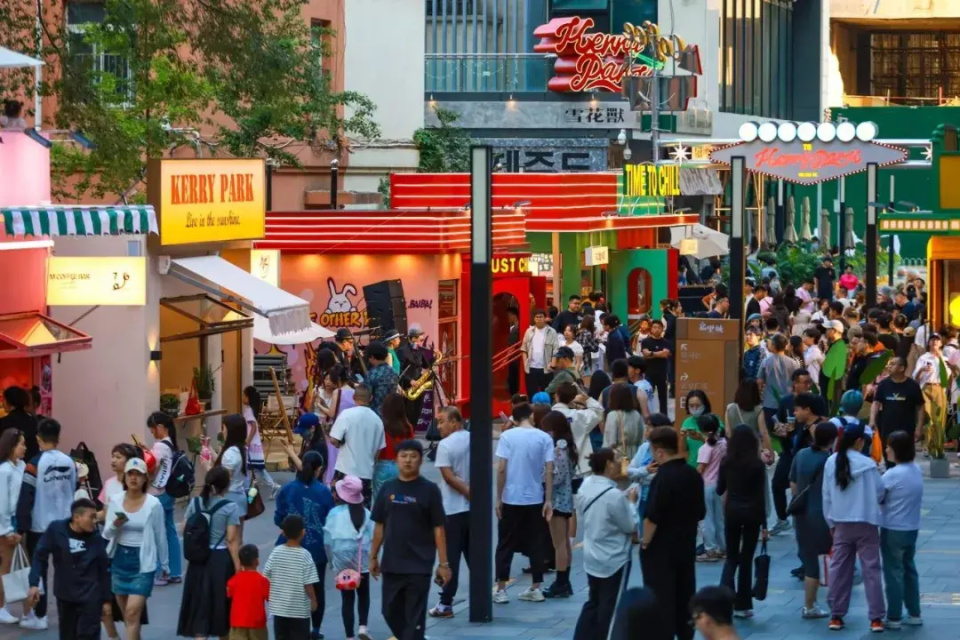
[890,268]
[841,225]
[481,388]
[334,175]
[871,239]
[737,213]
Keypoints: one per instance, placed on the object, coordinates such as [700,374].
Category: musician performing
[417,377]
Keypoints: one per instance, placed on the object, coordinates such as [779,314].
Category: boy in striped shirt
[292,574]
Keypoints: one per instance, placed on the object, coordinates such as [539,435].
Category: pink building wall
[24,171]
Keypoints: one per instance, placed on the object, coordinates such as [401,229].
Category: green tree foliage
[152,73]
[445,148]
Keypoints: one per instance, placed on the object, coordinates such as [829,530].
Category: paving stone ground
[777,618]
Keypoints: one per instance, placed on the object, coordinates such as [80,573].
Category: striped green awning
[74,220]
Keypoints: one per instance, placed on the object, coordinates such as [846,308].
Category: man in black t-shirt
[570,315]
[410,527]
[675,506]
[824,277]
[897,404]
[657,351]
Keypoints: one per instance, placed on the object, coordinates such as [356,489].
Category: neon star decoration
[680,153]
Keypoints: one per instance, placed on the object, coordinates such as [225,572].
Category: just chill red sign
[588,61]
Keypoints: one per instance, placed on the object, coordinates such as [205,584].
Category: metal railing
[487,72]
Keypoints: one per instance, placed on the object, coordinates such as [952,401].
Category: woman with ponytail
[852,493]
[164,433]
[709,459]
[204,609]
[252,405]
[233,458]
[310,499]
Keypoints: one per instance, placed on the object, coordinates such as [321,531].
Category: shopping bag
[16,584]
[193,402]
[824,562]
[761,569]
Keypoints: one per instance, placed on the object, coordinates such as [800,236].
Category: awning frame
[206,328]
[20,350]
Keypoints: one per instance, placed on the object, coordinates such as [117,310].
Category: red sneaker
[876,626]
[836,623]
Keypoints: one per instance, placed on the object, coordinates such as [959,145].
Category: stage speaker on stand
[386,306]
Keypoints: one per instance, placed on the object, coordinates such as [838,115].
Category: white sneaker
[743,613]
[813,613]
[34,623]
[500,596]
[780,527]
[913,621]
[6,617]
[364,634]
[531,595]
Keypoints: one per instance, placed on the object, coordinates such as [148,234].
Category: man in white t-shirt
[358,433]
[453,461]
[525,462]
[538,346]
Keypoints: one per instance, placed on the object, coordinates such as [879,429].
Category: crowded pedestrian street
[777,618]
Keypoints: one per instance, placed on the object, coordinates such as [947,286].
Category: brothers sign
[810,162]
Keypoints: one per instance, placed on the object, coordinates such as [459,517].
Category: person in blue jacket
[81,582]
[310,499]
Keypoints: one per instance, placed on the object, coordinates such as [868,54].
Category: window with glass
[109,69]
[915,65]
[755,57]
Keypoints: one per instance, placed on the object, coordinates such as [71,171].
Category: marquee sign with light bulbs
[809,152]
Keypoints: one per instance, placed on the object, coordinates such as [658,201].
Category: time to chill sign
[215,200]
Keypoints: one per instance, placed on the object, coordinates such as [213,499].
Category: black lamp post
[334,174]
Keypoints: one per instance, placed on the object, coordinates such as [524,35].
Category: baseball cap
[564,352]
[836,325]
[344,334]
[135,464]
[754,316]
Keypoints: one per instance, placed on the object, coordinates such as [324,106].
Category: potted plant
[939,465]
[170,404]
[203,381]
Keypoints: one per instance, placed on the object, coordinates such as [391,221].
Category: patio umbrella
[805,233]
[12,60]
[790,231]
[849,239]
[824,230]
[769,230]
[699,241]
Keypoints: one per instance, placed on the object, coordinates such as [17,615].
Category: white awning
[262,332]
[285,312]
[13,60]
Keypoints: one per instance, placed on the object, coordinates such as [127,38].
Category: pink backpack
[349,579]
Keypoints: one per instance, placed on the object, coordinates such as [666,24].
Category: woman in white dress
[233,458]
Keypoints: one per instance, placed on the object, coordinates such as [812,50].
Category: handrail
[507,356]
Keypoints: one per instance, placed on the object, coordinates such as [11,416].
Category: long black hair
[851,434]
[743,447]
[160,419]
[236,436]
[558,426]
[254,400]
[309,464]
[699,393]
[215,482]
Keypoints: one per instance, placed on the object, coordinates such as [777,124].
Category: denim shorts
[125,576]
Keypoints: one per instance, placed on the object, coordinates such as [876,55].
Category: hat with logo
[344,334]
[135,464]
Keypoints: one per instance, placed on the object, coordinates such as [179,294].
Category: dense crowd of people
[816,443]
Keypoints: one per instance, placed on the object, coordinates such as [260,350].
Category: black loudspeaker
[386,306]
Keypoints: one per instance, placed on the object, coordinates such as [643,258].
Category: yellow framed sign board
[87,282]
[208,200]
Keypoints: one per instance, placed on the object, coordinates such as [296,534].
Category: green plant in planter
[203,380]
[936,431]
[170,404]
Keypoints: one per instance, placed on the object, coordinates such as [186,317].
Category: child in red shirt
[248,590]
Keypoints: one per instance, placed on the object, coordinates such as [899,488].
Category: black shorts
[562,514]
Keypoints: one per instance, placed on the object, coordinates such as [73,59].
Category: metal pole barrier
[481,389]
[871,275]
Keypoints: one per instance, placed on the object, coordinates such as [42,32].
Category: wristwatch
[444,565]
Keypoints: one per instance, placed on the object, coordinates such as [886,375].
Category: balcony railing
[487,73]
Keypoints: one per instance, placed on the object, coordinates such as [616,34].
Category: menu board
[707,358]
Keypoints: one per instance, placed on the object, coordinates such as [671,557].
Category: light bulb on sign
[787,132]
[807,131]
[867,131]
[622,137]
[826,132]
[627,154]
[748,131]
[767,131]
[846,131]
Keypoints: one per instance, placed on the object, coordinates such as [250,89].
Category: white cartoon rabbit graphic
[339,302]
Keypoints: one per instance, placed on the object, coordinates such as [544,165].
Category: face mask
[696,411]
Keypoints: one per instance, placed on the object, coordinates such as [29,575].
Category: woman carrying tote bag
[12,449]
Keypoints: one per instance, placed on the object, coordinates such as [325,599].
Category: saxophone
[423,382]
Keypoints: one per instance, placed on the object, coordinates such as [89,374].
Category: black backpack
[182,478]
[196,532]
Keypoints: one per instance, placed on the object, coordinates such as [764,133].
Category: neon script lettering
[807,160]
